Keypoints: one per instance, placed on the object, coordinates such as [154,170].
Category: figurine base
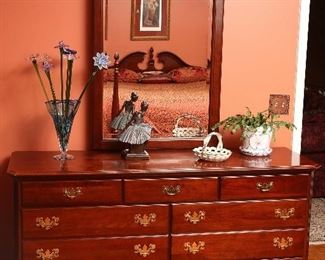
[127,155]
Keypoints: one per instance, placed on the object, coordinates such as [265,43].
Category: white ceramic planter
[256,143]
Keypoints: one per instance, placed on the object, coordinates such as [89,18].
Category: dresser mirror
[179,75]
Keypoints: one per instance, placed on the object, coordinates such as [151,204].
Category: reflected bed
[173,90]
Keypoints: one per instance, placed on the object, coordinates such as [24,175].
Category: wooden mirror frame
[98,142]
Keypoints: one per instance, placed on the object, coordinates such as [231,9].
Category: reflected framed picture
[150,20]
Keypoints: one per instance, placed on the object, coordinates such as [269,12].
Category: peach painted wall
[260,40]
[188,18]
[28,27]
[259,57]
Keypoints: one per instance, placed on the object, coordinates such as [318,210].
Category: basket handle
[195,119]
[208,138]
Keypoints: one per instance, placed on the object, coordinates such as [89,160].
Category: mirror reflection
[171,75]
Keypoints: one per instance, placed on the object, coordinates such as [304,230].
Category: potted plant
[258,130]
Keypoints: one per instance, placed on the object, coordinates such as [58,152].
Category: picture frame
[150,20]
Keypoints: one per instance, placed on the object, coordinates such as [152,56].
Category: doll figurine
[125,114]
[136,134]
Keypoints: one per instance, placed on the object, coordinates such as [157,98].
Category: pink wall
[188,18]
[30,27]
[259,56]
[260,40]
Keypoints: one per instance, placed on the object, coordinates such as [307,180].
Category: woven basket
[211,153]
[192,131]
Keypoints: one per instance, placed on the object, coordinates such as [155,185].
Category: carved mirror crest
[180,78]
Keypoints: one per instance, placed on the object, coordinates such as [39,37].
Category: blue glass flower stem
[90,80]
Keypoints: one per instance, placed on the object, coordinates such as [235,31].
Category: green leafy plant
[252,122]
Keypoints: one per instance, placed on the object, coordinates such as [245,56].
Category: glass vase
[63,113]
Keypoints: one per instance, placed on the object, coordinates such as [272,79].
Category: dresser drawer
[258,245]
[61,193]
[225,216]
[171,190]
[95,221]
[97,249]
[252,187]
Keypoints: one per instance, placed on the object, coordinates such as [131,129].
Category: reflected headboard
[167,67]
[168,60]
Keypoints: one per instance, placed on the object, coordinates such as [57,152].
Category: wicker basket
[211,153]
[191,131]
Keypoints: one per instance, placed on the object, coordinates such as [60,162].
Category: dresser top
[162,163]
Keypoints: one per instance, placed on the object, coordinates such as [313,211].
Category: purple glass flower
[101,60]
[47,66]
[46,57]
[61,45]
[71,56]
[69,53]
[33,57]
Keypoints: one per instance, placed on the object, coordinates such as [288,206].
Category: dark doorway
[313,132]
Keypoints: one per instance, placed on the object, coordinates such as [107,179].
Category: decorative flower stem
[64,110]
[69,79]
[101,61]
[68,84]
[90,80]
[34,62]
[61,72]
[48,75]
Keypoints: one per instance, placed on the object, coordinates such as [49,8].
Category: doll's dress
[123,118]
[137,132]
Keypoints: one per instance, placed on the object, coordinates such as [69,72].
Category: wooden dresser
[99,207]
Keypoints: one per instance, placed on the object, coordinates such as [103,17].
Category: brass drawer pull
[194,248]
[195,217]
[47,254]
[171,190]
[284,213]
[72,193]
[145,220]
[282,243]
[144,250]
[47,223]
[264,187]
